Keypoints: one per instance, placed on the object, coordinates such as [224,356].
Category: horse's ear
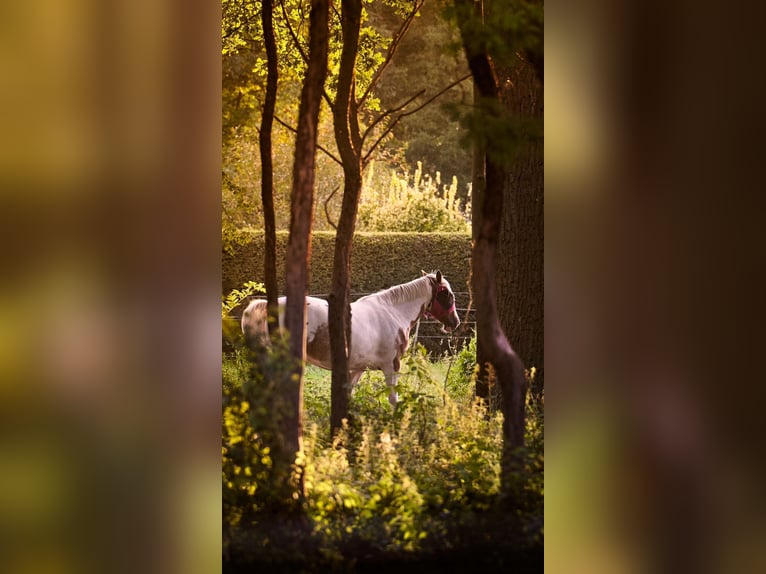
[438,277]
[423,272]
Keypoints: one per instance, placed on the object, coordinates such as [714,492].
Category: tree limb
[327,210]
[293,35]
[321,148]
[300,49]
[387,113]
[391,50]
[409,113]
[435,96]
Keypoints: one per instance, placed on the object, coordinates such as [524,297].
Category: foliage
[503,28]
[246,461]
[238,23]
[257,480]
[428,135]
[241,182]
[423,204]
[508,31]
[425,60]
[237,296]
[418,483]
[461,379]
[379,260]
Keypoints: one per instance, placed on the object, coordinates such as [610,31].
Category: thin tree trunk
[477,198]
[348,139]
[267,166]
[301,218]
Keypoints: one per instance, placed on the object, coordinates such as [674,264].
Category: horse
[380,325]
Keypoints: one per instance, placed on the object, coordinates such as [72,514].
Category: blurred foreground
[109,325]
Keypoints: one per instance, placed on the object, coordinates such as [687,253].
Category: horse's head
[442,306]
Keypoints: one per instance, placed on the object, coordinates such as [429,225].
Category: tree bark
[508,368]
[520,273]
[348,139]
[482,390]
[301,218]
[267,167]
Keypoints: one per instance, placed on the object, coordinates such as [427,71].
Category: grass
[425,378]
[317,381]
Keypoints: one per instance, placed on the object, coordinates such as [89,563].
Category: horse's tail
[254,324]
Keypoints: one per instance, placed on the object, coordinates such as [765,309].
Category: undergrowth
[421,483]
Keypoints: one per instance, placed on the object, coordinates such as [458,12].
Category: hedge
[378,260]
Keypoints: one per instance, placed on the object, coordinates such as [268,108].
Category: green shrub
[461,380]
[246,450]
[423,204]
[417,482]
[378,260]
[316,400]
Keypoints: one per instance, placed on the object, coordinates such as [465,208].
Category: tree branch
[435,96]
[297,43]
[321,148]
[327,210]
[231,29]
[391,50]
[441,92]
[293,35]
[387,113]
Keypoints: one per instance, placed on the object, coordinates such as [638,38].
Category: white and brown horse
[380,325]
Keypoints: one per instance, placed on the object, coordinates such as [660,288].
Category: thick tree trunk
[301,218]
[348,139]
[508,368]
[267,167]
[520,273]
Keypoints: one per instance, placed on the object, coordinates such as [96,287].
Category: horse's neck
[408,299]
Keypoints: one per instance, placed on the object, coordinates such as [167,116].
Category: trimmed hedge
[378,260]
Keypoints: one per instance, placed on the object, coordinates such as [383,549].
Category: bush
[379,260]
[462,374]
[422,205]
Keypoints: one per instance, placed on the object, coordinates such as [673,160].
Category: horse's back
[255,329]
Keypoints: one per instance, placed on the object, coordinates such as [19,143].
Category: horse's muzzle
[451,323]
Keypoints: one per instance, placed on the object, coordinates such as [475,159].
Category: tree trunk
[477,197]
[301,218]
[520,272]
[348,139]
[508,368]
[267,167]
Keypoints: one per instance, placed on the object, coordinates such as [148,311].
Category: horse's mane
[400,293]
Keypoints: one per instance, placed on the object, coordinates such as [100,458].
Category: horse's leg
[353,378]
[391,379]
